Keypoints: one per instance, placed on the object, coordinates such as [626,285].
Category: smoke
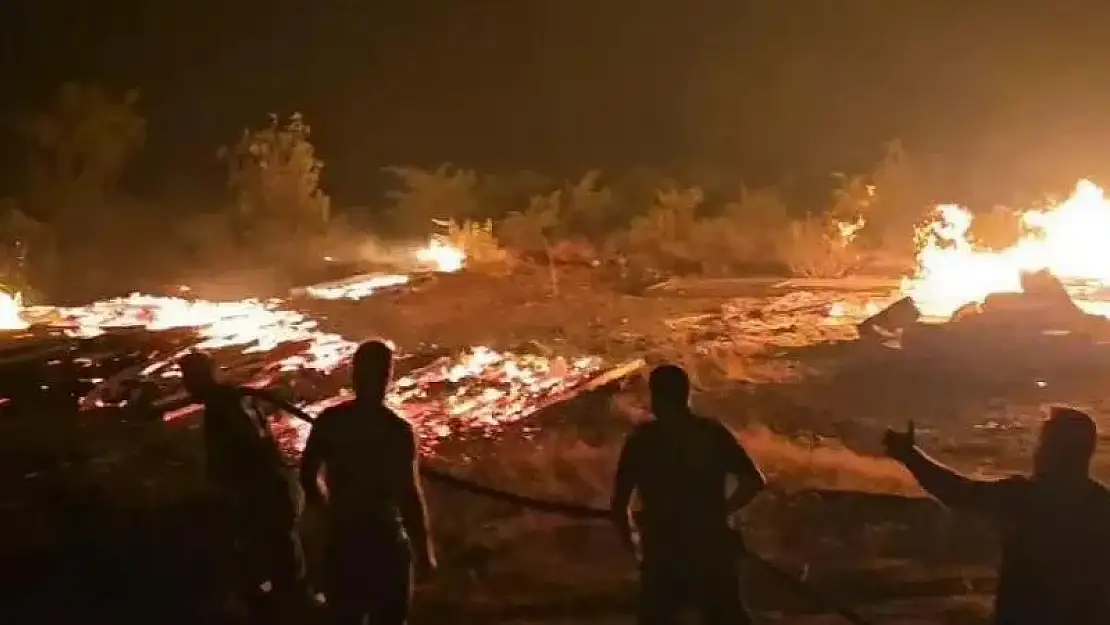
[398,255]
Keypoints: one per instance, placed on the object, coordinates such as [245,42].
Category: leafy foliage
[900,194]
[274,175]
[530,231]
[817,247]
[445,193]
[81,144]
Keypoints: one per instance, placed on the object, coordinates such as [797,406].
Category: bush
[529,232]
[663,238]
[746,236]
[424,196]
[820,247]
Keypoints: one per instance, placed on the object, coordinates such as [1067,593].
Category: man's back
[239,447]
[1055,552]
[367,453]
[680,466]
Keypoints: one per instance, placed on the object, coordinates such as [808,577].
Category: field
[807,400]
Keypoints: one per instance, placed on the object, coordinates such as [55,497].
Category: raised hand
[900,445]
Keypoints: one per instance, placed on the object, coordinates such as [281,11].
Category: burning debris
[480,392]
[126,351]
[353,288]
[1067,242]
[1047,284]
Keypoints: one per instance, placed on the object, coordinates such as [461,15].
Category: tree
[275,178]
[530,231]
[81,145]
[666,230]
[426,196]
[902,195]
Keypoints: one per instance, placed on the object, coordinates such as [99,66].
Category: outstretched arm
[750,481]
[949,486]
[624,485]
[414,512]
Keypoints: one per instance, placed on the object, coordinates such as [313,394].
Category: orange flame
[11,312]
[1071,240]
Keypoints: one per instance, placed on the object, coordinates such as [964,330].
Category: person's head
[198,372]
[1067,444]
[670,390]
[373,368]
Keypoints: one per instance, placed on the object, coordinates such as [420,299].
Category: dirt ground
[807,400]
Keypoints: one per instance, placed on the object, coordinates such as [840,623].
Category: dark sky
[766,88]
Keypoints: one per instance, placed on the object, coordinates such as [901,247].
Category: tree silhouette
[425,196]
[81,145]
[274,176]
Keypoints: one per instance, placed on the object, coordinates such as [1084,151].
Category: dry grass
[792,464]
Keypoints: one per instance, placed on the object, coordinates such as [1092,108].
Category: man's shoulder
[399,423]
[1102,494]
[350,409]
[643,430]
[337,412]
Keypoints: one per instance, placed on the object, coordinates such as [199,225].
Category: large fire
[1069,240]
[11,312]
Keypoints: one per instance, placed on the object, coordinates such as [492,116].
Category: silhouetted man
[679,464]
[253,488]
[1055,524]
[375,514]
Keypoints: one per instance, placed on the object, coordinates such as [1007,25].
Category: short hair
[1072,427]
[196,362]
[373,355]
[669,379]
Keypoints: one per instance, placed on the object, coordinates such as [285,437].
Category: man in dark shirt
[252,487]
[375,513]
[1054,524]
[679,465]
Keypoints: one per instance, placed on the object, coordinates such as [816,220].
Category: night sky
[998,91]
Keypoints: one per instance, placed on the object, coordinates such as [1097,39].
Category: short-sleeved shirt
[1055,549]
[367,453]
[680,466]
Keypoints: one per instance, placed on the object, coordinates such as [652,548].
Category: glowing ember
[1069,240]
[252,325]
[482,391]
[11,312]
[444,257]
[355,288]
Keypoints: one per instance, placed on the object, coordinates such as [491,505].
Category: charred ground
[808,401]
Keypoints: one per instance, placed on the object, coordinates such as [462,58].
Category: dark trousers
[671,584]
[368,577]
[261,544]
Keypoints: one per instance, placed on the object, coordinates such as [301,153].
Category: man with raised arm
[254,491]
[678,464]
[1054,524]
[374,508]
